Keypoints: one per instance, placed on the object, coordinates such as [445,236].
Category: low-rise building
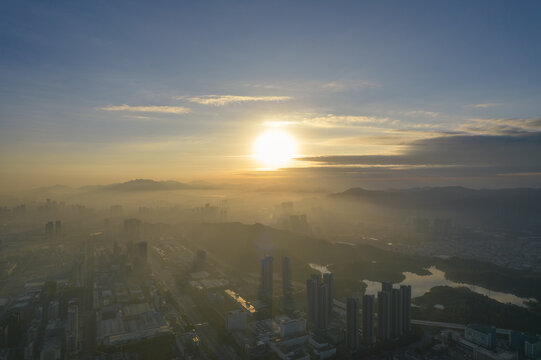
[482,335]
[295,327]
[235,320]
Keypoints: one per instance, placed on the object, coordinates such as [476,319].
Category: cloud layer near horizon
[456,158]
[147,109]
[221,100]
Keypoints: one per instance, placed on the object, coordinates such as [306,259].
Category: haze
[96,93]
[270,180]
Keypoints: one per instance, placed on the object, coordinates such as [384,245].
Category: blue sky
[345,78]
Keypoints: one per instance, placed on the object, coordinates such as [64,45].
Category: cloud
[138,117]
[468,160]
[221,100]
[387,137]
[502,126]
[147,109]
[345,85]
[310,86]
[331,120]
[423,113]
[485,105]
[487,154]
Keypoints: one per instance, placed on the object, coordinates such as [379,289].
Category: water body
[421,284]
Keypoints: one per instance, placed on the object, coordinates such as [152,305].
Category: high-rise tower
[328,279]
[386,286]
[397,315]
[266,278]
[286,276]
[369,335]
[352,324]
[384,315]
[312,288]
[405,293]
[265,288]
[319,298]
[287,290]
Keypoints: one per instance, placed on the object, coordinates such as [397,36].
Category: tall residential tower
[352,324]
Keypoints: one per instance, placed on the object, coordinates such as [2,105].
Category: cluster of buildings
[44,323]
[53,229]
[127,306]
[319,293]
[439,228]
[325,328]
[482,342]
[266,292]
[257,331]
[201,280]
[109,306]
[210,213]
[384,318]
[284,217]
[488,244]
[113,306]
[281,336]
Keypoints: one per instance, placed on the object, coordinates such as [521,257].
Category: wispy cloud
[147,109]
[311,86]
[221,100]
[502,126]
[487,154]
[485,105]
[138,117]
[331,120]
[423,113]
[344,85]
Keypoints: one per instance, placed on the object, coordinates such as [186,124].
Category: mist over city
[270,180]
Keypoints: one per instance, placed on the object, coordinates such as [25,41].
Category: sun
[275,148]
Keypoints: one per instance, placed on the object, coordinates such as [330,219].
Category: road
[207,334]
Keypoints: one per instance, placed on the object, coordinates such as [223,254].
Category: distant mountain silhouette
[518,205]
[147,185]
[446,197]
[139,185]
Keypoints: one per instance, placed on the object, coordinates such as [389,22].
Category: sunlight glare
[275,148]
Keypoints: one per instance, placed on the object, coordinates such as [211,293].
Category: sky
[378,94]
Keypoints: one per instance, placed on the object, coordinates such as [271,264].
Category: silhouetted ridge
[147,185]
[517,209]
[450,198]
[140,185]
